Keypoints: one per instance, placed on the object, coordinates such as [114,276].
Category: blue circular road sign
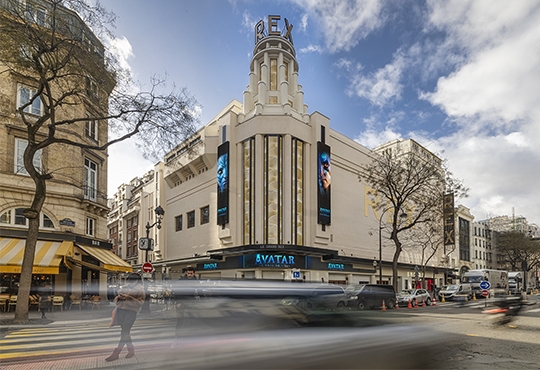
[485,285]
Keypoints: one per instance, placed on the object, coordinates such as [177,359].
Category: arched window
[15,217]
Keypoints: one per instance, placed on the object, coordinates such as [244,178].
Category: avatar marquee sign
[260,31]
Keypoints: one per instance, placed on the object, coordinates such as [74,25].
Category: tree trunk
[32,214]
[25,284]
[397,253]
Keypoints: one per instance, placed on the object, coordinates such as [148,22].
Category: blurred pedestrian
[184,300]
[45,301]
[129,301]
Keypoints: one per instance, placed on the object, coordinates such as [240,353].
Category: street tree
[65,53]
[411,187]
[515,248]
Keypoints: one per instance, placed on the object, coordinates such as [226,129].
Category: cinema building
[267,190]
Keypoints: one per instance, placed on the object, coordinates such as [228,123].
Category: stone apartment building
[72,253]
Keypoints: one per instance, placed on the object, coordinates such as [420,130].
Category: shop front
[62,267]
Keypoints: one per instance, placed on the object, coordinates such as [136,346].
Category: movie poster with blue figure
[223,184]
[324,171]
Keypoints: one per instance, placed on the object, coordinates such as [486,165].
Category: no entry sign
[485,292]
[147,267]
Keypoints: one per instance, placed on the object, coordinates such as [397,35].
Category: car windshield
[472,279]
[406,292]
[451,287]
[353,288]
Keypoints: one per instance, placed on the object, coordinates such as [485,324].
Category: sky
[460,77]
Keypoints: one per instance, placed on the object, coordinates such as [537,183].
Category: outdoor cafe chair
[58,300]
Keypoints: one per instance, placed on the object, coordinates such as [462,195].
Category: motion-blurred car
[319,297]
[410,295]
[370,296]
[451,292]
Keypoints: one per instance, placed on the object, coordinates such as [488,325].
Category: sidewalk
[70,317]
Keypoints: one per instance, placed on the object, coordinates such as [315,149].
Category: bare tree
[515,248]
[413,186]
[64,53]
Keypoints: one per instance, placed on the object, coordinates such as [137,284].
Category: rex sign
[273,29]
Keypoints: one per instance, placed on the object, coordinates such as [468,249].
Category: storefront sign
[273,29]
[209,266]
[274,260]
[315,263]
[336,266]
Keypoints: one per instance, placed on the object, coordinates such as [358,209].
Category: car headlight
[353,297]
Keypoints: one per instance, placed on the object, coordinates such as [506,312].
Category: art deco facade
[267,190]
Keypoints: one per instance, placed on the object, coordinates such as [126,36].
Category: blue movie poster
[223,184]
[324,170]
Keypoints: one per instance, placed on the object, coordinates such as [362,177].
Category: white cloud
[304,23]
[344,23]
[311,49]
[128,163]
[379,87]
[492,95]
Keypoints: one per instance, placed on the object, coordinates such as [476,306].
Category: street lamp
[159,216]
[402,215]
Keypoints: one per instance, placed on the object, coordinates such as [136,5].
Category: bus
[498,280]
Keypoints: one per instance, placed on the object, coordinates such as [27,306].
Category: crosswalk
[89,338]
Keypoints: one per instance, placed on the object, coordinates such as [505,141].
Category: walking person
[129,301]
[45,301]
[184,296]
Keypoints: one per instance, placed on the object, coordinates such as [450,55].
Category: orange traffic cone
[434,303]
[397,306]
[383,306]
[423,303]
[416,303]
[409,306]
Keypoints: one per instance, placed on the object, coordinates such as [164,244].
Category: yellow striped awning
[110,260]
[47,257]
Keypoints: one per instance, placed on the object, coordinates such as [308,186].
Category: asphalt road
[452,335]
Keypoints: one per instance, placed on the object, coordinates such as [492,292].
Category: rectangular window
[273,74]
[135,220]
[20,147]
[91,128]
[20,219]
[90,226]
[26,94]
[205,215]
[90,180]
[129,236]
[178,223]
[129,223]
[191,219]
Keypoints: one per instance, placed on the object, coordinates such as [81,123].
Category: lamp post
[159,216]
[380,240]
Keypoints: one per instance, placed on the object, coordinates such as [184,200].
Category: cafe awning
[110,260]
[47,257]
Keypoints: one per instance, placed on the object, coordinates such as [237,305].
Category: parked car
[321,297]
[370,296]
[455,291]
[410,295]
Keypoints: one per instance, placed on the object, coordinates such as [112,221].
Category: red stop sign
[147,267]
[485,292]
